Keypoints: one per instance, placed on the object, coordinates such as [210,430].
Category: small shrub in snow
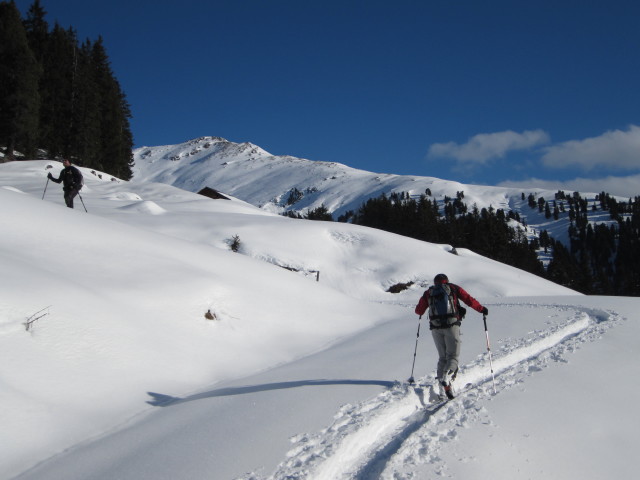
[36,316]
[399,287]
[234,243]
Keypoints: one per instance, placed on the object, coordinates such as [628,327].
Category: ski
[429,395]
[435,406]
[434,400]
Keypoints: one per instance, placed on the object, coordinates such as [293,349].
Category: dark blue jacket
[70,177]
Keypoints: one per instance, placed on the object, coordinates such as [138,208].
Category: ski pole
[486,331]
[45,188]
[415,351]
[85,208]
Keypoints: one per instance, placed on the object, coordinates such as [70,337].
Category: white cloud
[613,149]
[618,186]
[487,146]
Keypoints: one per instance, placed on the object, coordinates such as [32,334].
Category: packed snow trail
[386,436]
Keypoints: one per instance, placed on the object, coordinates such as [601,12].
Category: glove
[49,176]
[485,311]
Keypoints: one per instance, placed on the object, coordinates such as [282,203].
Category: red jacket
[458,292]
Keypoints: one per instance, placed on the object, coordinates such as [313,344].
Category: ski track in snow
[387,436]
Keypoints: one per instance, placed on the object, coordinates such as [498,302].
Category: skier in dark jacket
[445,318]
[72,181]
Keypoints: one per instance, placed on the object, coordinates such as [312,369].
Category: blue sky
[485,92]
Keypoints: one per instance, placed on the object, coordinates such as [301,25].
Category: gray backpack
[443,306]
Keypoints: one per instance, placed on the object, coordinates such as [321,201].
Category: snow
[253,174]
[123,377]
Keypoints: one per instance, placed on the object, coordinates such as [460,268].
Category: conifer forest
[600,258]
[59,97]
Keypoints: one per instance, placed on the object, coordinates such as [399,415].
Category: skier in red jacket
[445,318]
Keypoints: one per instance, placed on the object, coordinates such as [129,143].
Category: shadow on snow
[162,400]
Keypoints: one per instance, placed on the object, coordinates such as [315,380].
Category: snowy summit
[267,181]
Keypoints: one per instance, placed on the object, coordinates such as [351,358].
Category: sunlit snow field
[122,376]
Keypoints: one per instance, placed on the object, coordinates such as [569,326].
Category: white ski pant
[447,342]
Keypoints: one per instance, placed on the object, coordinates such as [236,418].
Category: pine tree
[320,213]
[86,110]
[115,141]
[37,30]
[19,77]
[56,119]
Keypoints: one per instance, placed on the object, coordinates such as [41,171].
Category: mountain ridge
[249,172]
[241,169]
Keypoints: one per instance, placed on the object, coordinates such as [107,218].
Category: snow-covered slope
[285,183]
[252,174]
[295,377]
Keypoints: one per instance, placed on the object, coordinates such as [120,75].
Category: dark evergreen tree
[37,31]
[115,140]
[86,114]
[562,268]
[56,119]
[19,77]
[320,213]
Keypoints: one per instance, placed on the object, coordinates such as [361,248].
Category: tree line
[600,259]
[59,95]
[486,231]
